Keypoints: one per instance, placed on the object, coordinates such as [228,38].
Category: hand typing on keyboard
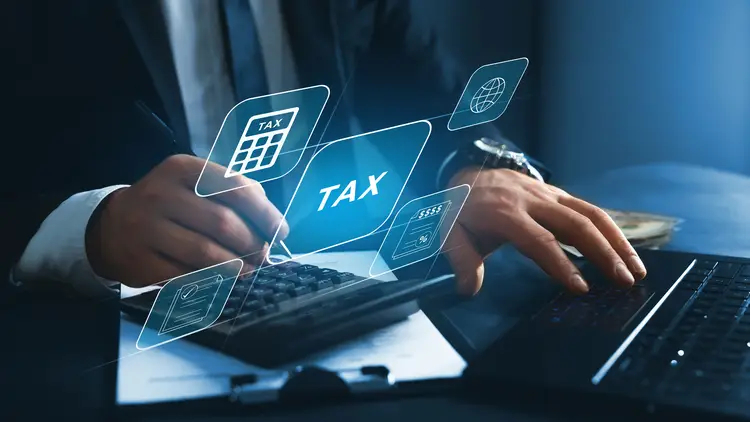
[506,206]
[159,228]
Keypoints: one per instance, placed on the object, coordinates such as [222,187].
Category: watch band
[486,153]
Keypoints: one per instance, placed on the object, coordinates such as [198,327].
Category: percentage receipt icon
[261,142]
[421,229]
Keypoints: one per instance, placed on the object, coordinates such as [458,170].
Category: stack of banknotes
[643,230]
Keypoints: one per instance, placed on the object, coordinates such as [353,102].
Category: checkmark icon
[189,292]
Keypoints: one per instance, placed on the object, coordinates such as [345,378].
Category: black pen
[140,104]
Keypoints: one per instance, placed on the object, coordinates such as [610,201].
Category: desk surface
[53,345]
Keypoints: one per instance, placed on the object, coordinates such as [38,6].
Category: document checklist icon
[261,142]
[191,304]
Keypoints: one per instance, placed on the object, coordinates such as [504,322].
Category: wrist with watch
[491,154]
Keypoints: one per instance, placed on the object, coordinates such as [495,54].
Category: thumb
[466,261]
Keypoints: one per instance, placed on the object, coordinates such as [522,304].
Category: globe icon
[487,95]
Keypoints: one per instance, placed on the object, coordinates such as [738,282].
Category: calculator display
[261,142]
[421,229]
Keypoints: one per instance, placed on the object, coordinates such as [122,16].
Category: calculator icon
[261,142]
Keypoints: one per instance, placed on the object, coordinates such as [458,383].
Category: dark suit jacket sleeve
[69,122]
[22,209]
[403,75]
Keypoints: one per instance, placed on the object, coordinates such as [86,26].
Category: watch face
[489,146]
[491,142]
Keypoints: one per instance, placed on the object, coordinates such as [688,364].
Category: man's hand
[159,228]
[506,206]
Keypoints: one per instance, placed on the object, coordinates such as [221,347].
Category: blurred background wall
[614,83]
[477,32]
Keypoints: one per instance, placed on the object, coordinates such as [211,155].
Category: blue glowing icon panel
[419,229]
[352,186]
[262,138]
[189,303]
[261,142]
[487,93]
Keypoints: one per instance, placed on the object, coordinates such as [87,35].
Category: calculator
[261,142]
[290,310]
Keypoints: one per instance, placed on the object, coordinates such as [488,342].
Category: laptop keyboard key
[693,277]
[713,289]
[718,281]
[740,288]
[726,310]
[726,269]
[699,271]
[705,264]
[691,285]
[737,295]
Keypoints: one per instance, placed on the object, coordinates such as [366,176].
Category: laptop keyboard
[605,308]
[697,344]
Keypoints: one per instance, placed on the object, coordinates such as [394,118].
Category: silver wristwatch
[489,153]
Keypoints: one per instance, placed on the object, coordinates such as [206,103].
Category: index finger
[539,244]
[251,203]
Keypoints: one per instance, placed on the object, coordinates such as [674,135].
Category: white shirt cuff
[57,252]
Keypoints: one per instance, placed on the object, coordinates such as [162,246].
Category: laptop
[676,342]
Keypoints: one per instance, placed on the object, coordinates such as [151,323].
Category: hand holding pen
[158,228]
